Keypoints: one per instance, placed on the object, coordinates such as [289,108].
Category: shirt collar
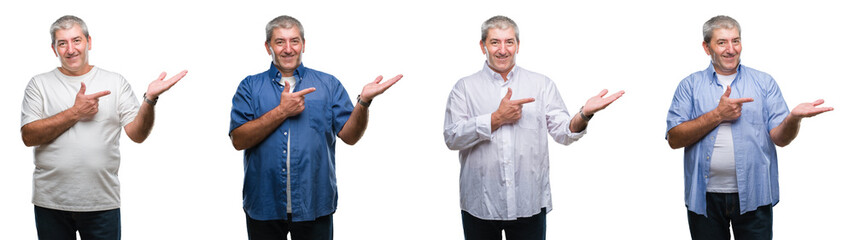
[275,75]
[713,76]
[497,76]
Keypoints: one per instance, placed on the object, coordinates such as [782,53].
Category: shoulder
[534,78]
[106,73]
[325,78]
[756,75]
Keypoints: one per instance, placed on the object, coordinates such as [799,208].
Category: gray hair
[67,22]
[716,22]
[500,22]
[285,22]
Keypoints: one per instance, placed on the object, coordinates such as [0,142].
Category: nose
[70,49]
[289,48]
[503,48]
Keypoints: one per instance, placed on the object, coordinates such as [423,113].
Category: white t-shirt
[78,171]
[722,177]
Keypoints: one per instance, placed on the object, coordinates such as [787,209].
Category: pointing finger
[522,101]
[742,100]
[99,94]
[304,92]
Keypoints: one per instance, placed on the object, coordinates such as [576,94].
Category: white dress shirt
[504,175]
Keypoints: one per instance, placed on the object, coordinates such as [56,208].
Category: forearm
[355,126]
[690,132]
[140,128]
[46,130]
[253,132]
[577,124]
[786,132]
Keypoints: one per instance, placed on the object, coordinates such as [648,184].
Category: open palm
[810,109]
[376,88]
[158,86]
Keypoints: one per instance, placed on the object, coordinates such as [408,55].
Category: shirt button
[284,170]
[285,151]
[286,133]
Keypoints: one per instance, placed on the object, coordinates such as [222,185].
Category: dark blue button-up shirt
[312,146]
[755,153]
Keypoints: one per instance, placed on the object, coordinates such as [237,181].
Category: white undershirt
[291,82]
[722,178]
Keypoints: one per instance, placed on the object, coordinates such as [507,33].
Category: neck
[75,73]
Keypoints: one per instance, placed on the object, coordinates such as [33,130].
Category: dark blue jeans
[319,229]
[529,228]
[723,209]
[54,224]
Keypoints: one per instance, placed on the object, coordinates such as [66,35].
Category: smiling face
[72,48]
[725,50]
[286,47]
[500,48]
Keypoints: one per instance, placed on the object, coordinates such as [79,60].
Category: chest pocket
[319,115]
[532,116]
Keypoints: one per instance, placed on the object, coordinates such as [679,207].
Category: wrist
[151,100]
[585,116]
[365,102]
[494,119]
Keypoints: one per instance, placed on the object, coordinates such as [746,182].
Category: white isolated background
[621,181]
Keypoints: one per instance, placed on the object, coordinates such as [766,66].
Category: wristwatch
[149,101]
[364,104]
[586,118]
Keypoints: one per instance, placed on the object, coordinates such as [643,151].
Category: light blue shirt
[755,153]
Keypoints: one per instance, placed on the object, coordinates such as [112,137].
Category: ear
[706,48]
[267,48]
[90,43]
[303,46]
[517,46]
[53,47]
[482,47]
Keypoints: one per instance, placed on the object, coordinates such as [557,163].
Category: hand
[509,111]
[86,106]
[730,108]
[376,88]
[293,104]
[599,102]
[158,86]
[805,110]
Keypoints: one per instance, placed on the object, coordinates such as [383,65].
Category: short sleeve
[342,107]
[128,104]
[775,105]
[681,106]
[32,108]
[241,106]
